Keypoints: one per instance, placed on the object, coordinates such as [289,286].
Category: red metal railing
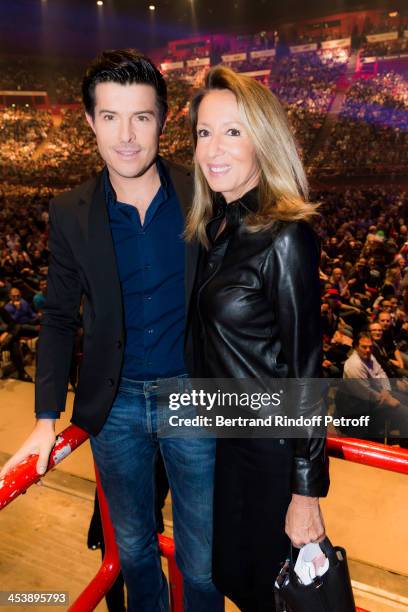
[24,475]
[110,568]
[369,453]
[17,481]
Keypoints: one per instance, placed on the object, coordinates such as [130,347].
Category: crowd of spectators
[20,74]
[23,271]
[364,272]
[71,154]
[175,142]
[374,114]
[34,151]
[364,288]
[60,79]
[21,131]
[384,48]
[67,89]
[305,84]
[371,134]
[386,24]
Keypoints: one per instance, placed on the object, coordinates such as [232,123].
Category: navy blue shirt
[150,262]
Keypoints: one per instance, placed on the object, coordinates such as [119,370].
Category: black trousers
[252,494]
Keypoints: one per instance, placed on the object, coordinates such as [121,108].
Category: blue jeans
[125,453]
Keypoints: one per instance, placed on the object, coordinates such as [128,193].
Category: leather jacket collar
[233,212]
[237,209]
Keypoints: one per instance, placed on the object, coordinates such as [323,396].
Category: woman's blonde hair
[283,187]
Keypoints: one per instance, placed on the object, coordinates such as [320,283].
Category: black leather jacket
[258,299]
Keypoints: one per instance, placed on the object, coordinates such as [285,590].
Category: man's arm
[30,313]
[380,375]
[358,384]
[59,323]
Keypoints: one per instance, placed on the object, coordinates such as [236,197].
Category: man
[379,351]
[22,314]
[338,282]
[329,319]
[10,341]
[368,391]
[336,353]
[389,344]
[40,296]
[116,243]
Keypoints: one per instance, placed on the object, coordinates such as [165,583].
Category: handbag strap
[327,548]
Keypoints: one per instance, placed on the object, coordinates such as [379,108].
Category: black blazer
[83,269]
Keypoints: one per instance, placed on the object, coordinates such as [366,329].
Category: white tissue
[311,562]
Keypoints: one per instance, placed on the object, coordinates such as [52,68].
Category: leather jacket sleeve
[292,281]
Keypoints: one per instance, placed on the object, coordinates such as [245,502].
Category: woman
[257,315]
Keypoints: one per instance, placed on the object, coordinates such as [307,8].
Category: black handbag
[331,592]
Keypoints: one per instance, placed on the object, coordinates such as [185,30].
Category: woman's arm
[295,291]
[297,297]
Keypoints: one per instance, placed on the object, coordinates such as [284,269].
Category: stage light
[152,7]
[393,14]
[99,2]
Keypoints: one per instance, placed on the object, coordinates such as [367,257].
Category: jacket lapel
[103,273]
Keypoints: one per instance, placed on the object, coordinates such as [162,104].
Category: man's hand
[387,399]
[402,385]
[304,521]
[393,402]
[41,441]
[384,396]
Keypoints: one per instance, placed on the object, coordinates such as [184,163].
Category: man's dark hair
[123,66]
[363,334]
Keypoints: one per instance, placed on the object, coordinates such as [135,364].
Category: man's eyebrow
[141,112]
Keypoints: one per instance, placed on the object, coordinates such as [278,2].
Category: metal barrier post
[110,568]
[175,576]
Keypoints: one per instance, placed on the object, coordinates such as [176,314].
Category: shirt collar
[247,203]
[233,212]
[164,181]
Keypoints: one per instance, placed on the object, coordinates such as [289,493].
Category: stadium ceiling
[81,27]
[233,15]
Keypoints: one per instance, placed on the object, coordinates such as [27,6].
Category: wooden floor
[43,533]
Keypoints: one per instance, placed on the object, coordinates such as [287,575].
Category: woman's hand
[304,520]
